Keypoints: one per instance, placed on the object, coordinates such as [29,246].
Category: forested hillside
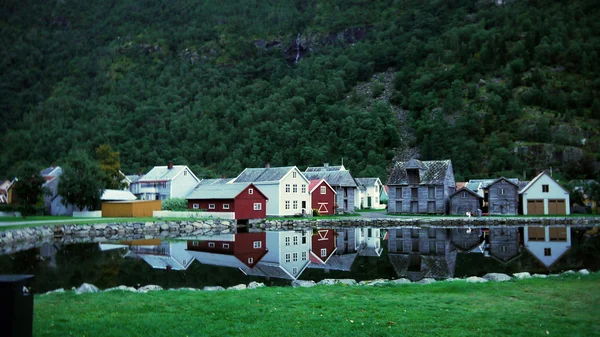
[221,85]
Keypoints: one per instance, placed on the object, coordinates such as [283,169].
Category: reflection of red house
[323,196]
[244,200]
[323,246]
[248,248]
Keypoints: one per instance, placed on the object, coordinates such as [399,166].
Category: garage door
[535,207]
[557,207]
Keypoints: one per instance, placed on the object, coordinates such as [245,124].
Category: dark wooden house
[504,243]
[420,186]
[465,200]
[502,196]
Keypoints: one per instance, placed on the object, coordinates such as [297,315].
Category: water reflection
[277,257]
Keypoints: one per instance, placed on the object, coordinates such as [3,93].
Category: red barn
[230,250]
[323,196]
[323,246]
[243,199]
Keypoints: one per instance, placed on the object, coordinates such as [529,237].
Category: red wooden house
[323,196]
[323,246]
[230,250]
[243,199]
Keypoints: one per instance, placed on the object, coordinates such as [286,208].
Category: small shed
[244,200]
[463,201]
[322,196]
[133,208]
[544,195]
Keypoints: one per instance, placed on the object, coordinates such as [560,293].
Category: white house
[169,255]
[286,188]
[544,195]
[370,241]
[164,182]
[548,243]
[53,201]
[287,256]
[369,192]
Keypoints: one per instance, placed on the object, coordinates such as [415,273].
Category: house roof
[466,190]
[133,177]
[163,173]
[215,181]
[271,174]
[513,181]
[487,182]
[336,262]
[120,195]
[432,172]
[53,171]
[333,178]
[325,168]
[269,269]
[220,191]
[315,183]
[367,181]
[432,266]
[534,180]
[161,261]
[371,251]
[473,186]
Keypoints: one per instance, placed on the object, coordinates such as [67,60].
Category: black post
[16,305]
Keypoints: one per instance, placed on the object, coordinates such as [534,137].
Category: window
[211,244]
[323,252]
[558,233]
[250,260]
[225,246]
[225,206]
[303,238]
[323,190]
[295,257]
[503,249]
[257,206]
[294,174]
[303,256]
[502,191]
[287,204]
[464,194]
[547,251]
[257,244]
[294,188]
[465,245]
[295,270]
[185,173]
[295,204]
[250,191]
[194,243]
[536,233]
[211,206]
[545,188]
[414,193]
[295,240]
[195,206]
[303,189]
[288,257]
[431,192]
[287,240]
[287,188]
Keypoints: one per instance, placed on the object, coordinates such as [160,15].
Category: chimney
[268,165]
[170,164]
[325,164]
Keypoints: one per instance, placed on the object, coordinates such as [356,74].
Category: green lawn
[561,306]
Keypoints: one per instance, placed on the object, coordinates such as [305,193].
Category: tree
[81,183]
[110,165]
[174,204]
[28,190]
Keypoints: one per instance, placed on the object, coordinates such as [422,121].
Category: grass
[561,306]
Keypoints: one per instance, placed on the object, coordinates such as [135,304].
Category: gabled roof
[163,173]
[269,269]
[325,168]
[119,195]
[487,182]
[337,262]
[371,251]
[513,181]
[466,190]
[432,266]
[368,181]
[271,174]
[432,172]
[215,181]
[474,186]
[52,171]
[315,183]
[220,191]
[333,178]
[534,180]
[314,258]
[132,178]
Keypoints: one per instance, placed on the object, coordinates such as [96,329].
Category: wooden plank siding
[464,202]
[503,197]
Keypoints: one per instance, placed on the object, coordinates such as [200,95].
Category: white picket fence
[87,214]
[174,214]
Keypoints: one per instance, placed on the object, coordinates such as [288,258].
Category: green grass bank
[556,306]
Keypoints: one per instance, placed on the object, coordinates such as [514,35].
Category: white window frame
[288,240]
[296,240]
[211,206]
[257,244]
[225,246]
[295,204]
[303,188]
[294,174]
[463,194]
[323,252]
[304,256]
[257,206]
[295,257]
[211,245]
[225,206]
[295,270]
[196,206]
[287,188]
[287,204]
[250,260]
[547,188]
[503,249]
[194,243]
[288,257]
[502,191]
[323,190]
[250,191]
[295,188]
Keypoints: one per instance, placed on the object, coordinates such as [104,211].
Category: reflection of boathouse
[243,250]
[417,253]
[504,243]
[168,255]
[547,244]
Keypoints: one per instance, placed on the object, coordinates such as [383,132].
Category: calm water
[278,257]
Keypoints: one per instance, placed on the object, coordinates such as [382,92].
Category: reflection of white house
[544,195]
[287,257]
[369,241]
[164,182]
[169,255]
[548,244]
[369,192]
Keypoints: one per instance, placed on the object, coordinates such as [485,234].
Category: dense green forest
[508,88]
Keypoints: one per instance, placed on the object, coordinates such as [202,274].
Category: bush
[315,212]
[174,204]
[377,89]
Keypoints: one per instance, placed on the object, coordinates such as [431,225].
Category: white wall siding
[558,248]
[183,184]
[555,192]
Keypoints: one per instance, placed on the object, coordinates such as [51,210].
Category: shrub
[174,204]
[315,212]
